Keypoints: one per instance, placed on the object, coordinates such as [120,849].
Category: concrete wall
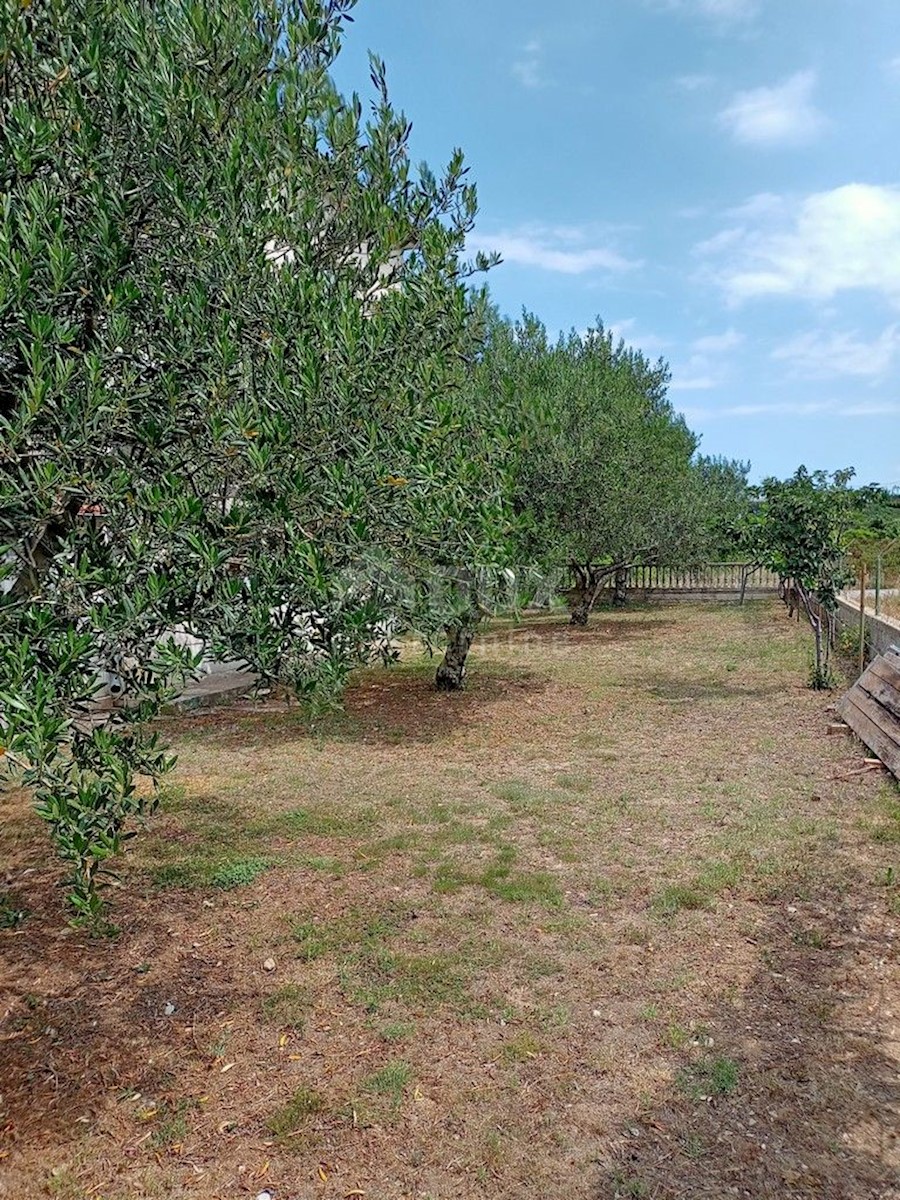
[881,631]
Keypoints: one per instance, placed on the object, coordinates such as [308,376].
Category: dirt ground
[620,921]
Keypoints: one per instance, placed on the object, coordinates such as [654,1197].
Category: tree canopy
[234,329]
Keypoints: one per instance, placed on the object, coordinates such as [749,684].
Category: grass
[499,879]
[198,871]
[708,1077]
[317,822]
[539,898]
[355,928]
[519,1049]
[286,1007]
[289,1120]
[887,828]
[376,977]
[170,1126]
[713,878]
[391,1081]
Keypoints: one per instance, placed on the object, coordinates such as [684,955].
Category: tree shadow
[88,1028]
[677,688]
[627,628]
[382,706]
[815,1114]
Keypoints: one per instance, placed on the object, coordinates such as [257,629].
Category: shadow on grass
[625,628]
[811,1110]
[676,687]
[98,1029]
[383,706]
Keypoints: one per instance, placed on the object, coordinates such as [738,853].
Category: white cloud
[528,69]
[694,83]
[783,115]
[707,366]
[892,66]
[820,355]
[726,10]
[566,250]
[649,344]
[693,383]
[790,408]
[816,247]
[718,343]
[721,13]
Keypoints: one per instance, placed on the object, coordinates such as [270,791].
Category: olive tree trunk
[620,587]
[587,587]
[451,674]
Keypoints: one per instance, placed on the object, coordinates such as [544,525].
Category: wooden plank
[886,721]
[887,669]
[884,694]
[870,733]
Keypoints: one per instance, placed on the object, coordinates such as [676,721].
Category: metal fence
[714,577]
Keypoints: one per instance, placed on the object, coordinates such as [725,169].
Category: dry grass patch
[606,924]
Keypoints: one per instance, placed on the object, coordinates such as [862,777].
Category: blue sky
[717,180]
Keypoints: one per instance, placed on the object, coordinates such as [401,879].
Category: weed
[12,912]
[397,1031]
[708,1077]
[635,935]
[239,873]
[286,1007]
[677,1037]
[519,1049]
[889,829]
[63,1183]
[815,939]
[171,1126]
[890,879]
[289,1120]
[675,897]
[197,871]
[376,976]
[574,783]
[692,1145]
[629,1187]
[649,1012]
[390,1081]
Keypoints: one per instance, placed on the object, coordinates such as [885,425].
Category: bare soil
[621,920]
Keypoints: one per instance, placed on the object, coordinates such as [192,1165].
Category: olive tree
[799,529]
[234,329]
[604,465]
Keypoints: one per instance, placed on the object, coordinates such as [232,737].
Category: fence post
[878,585]
[862,617]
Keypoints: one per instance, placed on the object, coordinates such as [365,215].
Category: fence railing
[714,577]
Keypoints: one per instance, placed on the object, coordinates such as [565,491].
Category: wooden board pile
[872,708]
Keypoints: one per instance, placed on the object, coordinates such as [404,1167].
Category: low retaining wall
[881,632]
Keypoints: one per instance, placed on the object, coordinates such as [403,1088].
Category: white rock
[269,964]
[169,1008]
